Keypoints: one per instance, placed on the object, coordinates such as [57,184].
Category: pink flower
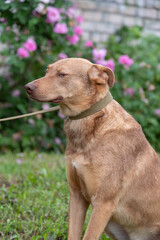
[61,115]
[8,28]
[62,10]
[110,64]
[39,156]
[45,106]
[71,12]
[157,111]
[78,30]
[19,160]
[2,19]
[31,121]
[129,91]
[30,45]
[16,136]
[21,154]
[57,140]
[60,28]
[62,55]
[151,87]
[73,39]
[16,39]
[89,43]
[36,14]
[125,60]
[53,15]
[16,93]
[50,42]
[79,54]
[22,52]
[101,62]
[26,31]
[45,1]
[8,1]
[99,53]
[79,19]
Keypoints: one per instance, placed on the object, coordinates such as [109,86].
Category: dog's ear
[101,75]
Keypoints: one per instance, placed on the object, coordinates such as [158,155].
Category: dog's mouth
[57,100]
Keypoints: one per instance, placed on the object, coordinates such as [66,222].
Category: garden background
[120,34]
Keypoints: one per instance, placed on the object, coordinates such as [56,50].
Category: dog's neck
[94,108]
[81,132]
[85,105]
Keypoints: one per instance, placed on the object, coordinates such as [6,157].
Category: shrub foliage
[137,89]
[37,33]
[32,40]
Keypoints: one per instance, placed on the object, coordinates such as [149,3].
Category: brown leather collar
[94,108]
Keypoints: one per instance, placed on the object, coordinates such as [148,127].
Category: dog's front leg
[77,211]
[100,216]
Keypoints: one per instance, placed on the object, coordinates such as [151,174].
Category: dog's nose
[30,87]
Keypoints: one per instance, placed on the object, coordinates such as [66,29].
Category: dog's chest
[79,156]
[86,176]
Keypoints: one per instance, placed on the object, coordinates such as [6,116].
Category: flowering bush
[35,34]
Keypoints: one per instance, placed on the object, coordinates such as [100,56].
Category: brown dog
[109,162]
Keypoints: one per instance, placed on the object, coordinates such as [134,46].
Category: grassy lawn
[34,197]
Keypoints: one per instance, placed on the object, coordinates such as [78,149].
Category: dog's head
[74,83]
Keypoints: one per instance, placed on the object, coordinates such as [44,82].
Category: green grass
[34,197]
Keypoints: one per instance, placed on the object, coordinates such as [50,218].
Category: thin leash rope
[30,114]
[94,108]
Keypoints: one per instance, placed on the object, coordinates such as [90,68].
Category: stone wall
[104,17]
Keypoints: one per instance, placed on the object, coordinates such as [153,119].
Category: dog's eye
[62,74]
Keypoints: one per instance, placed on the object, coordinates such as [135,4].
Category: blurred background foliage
[138,89]
[20,21]
[137,86]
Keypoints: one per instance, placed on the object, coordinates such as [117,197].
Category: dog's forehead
[70,65]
